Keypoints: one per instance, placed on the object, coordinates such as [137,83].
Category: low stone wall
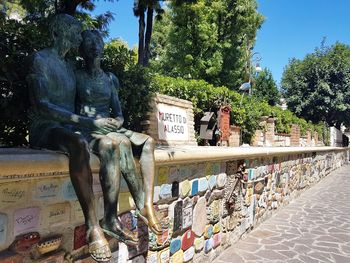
[205,197]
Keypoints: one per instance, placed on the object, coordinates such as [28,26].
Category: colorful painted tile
[177,216]
[189,254]
[163,175]
[199,243]
[165,191]
[3,228]
[221,180]
[184,172]
[24,243]
[194,188]
[26,220]
[79,237]
[199,217]
[187,215]
[217,240]
[208,169]
[202,185]
[185,188]
[56,214]
[47,189]
[156,192]
[175,188]
[12,194]
[128,220]
[152,257]
[177,257]
[217,228]
[163,238]
[68,191]
[216,169]
[208,245]
[174,174]
[223,167]
[175,245]
[164,256]
[212,182]
[187,240]
[208,231]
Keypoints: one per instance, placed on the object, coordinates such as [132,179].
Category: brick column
[257,139]
[295,135]
[235,136]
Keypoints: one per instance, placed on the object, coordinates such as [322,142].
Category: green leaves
[317,87]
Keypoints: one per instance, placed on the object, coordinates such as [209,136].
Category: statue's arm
[115,103]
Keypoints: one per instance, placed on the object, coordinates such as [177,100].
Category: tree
[145,30]
[265,88]
[317,88]
[207,40]
[20,35]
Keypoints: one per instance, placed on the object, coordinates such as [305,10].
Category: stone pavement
[313,228]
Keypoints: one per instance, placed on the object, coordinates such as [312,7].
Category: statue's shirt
[54,83]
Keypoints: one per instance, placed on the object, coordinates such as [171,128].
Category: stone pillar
[270,132]
[235,136]
[308,138]
[295,135]
[258,139]
[316,138]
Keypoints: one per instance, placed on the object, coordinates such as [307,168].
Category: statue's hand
[105,125]
[117,122]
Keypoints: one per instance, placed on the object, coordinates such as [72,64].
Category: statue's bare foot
[115,229]
[98,245]
[152,221]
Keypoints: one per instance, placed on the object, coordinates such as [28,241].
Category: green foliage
[245,112]
[317,87]
[207,40]
[265,88]
[19,38]
[134,92]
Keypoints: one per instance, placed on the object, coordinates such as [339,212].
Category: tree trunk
[141,51]
[149,28]
[70,6]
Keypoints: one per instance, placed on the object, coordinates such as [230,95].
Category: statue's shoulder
[113,78]
[40,59]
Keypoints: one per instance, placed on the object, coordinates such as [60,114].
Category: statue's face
[92,47]
[73,36]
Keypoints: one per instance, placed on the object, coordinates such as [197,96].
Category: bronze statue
[52,86]
[97,98]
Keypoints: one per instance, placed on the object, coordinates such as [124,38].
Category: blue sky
[293,28]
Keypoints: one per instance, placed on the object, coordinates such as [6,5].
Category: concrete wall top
[16,163]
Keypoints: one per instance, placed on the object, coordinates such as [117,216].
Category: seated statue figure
[97,98]
[52,89]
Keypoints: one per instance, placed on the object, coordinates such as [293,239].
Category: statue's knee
[107,146]
[149,145]
[80,145]
[126,143]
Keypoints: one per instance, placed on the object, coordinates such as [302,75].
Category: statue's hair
[61,23]
[95,33]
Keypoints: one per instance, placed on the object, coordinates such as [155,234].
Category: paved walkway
[313,228]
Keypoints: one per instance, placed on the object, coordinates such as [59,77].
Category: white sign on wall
[172,123]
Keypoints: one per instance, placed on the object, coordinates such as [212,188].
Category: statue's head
[65,30]
[92,45]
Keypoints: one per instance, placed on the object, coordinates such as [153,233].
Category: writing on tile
[47,189]
[26,220]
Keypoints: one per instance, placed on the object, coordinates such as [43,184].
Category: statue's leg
[108,153]
[81,177]
[147,163]
[128,169]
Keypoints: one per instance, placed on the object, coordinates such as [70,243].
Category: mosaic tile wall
[203,208]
